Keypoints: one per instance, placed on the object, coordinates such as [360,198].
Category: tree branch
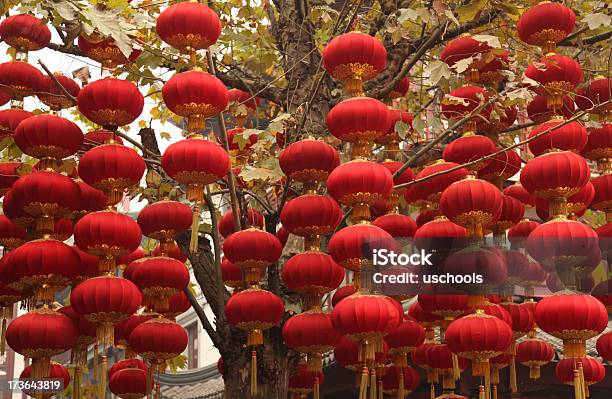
[492,155]
[212,333]
[58,84]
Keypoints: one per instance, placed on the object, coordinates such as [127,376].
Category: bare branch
[212,333]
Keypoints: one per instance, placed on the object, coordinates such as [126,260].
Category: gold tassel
[195,226]
[400,390]
[487,383]
[150,379]
[96,374]
[495,376]
[582,383]
[40,367]
[103,378]
[456,369]
[373,384]
[534,372]
[363,385]
[513,385]
[254,337]
[3,339]
[314,362]
[76,384]
[577,387]
[380,390]
[481,392]
[316,388]
[253,373]
[432,391]
[157,390]
[494,392]
[105,334]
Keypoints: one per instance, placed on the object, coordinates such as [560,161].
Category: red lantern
[111,102]
[546,24]
[392,139]
[598,93]
[226,223]
[236,96]
[478,337]
[195,95]
[398,226]
[592,371]
[511,213]
[555,175]
[400,90]
[177,304]
[467,148]
[603,192]
[107,235]
[569,137]
[164,220]
[404,339]
[98,137]
[471,203]
[352,246]
[252,250]
[426,319]
[12,235]
[312,274]
[534,353]
[128,383]
[309,161]
[10,119]
[572,318]
[56,99]
[522,319]
[342,293]
[105,301]
[123,330]
[354,58]
[112,168]
[159,278]
[195,162]
[466,47]
[14,212]
[86,335]
[310,332]
[427,215]
[603,294]
[400,380]
[311,215]
[303,381]
[4,98]
[599,147]
[562,243]
[559,75]
[106,52]
[189,26]
[20,79]
[518,191]
[538,111]
[90,200]
[366,318]
[39,335]
[48,138]
[25,33]
[158,340]
[56,372]
[123,261]
[88,266]
[359,184]
[463,101]
[231,274]
[604,346]
[429,192]
[359,120]
[45,196]
[502,167]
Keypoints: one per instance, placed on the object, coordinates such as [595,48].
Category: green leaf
[402,129]
[469,11]
[418,124]
[462,65]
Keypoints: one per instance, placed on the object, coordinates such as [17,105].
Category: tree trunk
[274,365]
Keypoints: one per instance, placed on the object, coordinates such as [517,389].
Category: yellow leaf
[12,52]
[469,11]
[142,124]
[165,135]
